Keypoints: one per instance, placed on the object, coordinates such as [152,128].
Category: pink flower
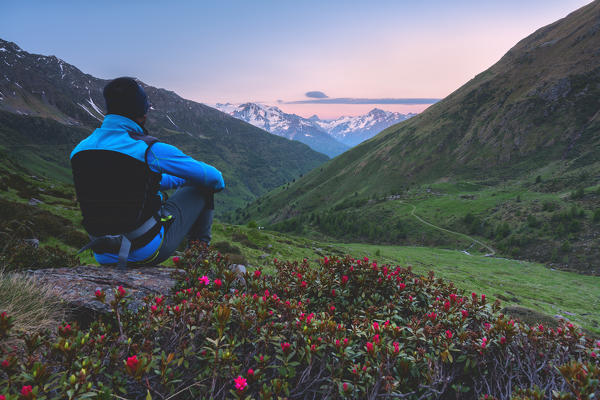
[303,284]
[502,340]
[344,279]
[370,347]
[337,343]
[449,334]
[176,259]
[325,260]
[218,282]
[464,313]
[432,316]
[541,328]
[345,387]
[285,346]
[153,308]
[332,308]
[158,300]
[396,347]
[2,397]
[26,390]
[376,339]
[593,355]
[257,273]
[401,286]
[333,292]
[240,383]
[204,279]
[375,326]
[121,291]
[453,298]
[474,296]
[345,341]
[483,297]
[250,372]
[5,364]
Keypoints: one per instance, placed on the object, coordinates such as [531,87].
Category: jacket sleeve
[170,182]
[167,159]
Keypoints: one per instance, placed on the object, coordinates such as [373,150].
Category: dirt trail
[491,253]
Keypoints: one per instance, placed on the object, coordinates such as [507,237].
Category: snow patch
[94,106]
[3,49]
[174,124]
[88,111]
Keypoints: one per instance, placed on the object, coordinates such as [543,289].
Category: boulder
[78,285]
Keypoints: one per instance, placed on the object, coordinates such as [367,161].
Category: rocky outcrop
[78,285]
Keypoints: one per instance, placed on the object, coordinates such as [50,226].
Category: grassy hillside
[534,113]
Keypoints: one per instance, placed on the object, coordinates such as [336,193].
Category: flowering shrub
[344,328]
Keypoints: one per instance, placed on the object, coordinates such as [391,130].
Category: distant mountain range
[331,137]
[48,105]
[528,128]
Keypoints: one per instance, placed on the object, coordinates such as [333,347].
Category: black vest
[117,193]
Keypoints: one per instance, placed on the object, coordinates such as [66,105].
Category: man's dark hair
[124,96]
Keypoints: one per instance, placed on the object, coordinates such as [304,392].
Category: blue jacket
[176,168]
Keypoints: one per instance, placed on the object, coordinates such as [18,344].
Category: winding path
[491,253]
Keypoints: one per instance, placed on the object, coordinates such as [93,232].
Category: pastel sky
[270,51]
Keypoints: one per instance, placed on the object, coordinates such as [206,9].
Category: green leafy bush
[345,328]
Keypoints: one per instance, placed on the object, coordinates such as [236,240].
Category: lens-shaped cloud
[315,94]
[351,100]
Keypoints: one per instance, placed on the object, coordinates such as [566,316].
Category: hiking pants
[190,217]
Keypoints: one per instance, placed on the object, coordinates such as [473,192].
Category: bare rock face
[78,285]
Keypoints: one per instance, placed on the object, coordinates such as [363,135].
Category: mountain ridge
[252,160]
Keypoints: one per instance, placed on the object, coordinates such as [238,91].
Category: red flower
[218,282]
[370,347]
[158,300]
[541,328]
[332,308]
[432,316]
[446,305]
[449,334]
[344,279]
[401,286]
[121,292]
[465,313]
[132,363]
[153,308]
[303,284]
[333,292]
[325,260]
[376,338]
[2,397]
[240,383]
[502,340]
[453,297]
[100,295]
[337,343]
[474,296]
[257,273]
[176,259]
[26,390]
[285,346]
[396,347]
[375,326]
[5,364]
[483,297]
[345,387]
[250,372]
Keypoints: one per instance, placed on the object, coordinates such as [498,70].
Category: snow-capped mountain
[347,131]
[353,130]
[291,126]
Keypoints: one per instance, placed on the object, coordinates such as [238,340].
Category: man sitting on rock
[119,171]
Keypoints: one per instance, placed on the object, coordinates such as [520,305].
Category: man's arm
[167,159]
[170,182]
